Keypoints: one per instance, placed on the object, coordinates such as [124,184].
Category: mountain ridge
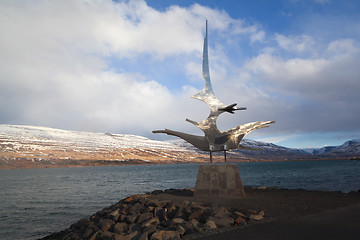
[24,146]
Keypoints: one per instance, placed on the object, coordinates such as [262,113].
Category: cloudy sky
[131,66]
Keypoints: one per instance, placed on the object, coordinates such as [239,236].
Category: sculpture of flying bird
[214,139]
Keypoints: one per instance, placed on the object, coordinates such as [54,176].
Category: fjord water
[37,202]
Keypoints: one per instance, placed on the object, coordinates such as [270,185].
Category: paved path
[338,224]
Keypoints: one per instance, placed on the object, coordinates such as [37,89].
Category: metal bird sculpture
[214,139]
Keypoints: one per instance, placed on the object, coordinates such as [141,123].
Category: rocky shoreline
[176,214]
[143,217]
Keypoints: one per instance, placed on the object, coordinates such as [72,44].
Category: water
[37,202]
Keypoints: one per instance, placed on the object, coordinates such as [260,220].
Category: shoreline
[260,207]
[29,164]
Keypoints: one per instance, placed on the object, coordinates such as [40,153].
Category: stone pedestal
[219,180]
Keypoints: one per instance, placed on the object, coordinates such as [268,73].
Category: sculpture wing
[207,94]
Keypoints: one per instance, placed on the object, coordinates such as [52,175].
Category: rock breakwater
[143,217]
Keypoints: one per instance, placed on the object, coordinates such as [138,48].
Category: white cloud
[343,47]
[54,64]
[58,68]
[258,36]
[300,43]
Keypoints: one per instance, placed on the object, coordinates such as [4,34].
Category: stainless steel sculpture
[214,139]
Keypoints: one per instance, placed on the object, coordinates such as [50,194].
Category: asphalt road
[338,224]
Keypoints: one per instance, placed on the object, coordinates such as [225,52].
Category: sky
[132,66]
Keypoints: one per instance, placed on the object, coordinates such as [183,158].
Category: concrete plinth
[219,180]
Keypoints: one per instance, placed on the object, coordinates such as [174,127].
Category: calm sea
[37,202]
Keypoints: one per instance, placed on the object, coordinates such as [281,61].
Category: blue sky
[131,66]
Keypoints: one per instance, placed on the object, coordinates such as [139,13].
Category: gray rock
[180,230]
[221,212]
[177,228]
[134,227]
[93,226]
[197,214]
[144,236]
[115,212]
[131,219]
[132,236]
[80,224]
[257,216]
[88,232]
[104,236]
[177,221]
[155,203]
[136,209]
[145,216]
[191,226]
[120,228]
[210,225]
[160,213]
[105,224]
[151,221]
[171,210]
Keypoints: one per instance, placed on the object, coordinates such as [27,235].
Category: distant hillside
[30,147]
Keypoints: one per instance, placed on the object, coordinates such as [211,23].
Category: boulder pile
[141,217]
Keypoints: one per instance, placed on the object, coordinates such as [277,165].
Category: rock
[132,236]
[184,203]
[129,199]
[131,219]
[135,209]
[160,213]
[157,192]
[125,209]
[171,210]
[96,235]
[191,226]
[177,221]
[221,212]
[196,214]
[180,230]
[240,221]
[80,224]
[237,214]
[155,203]
[121,218]
[210,225]
[177,228]
[104,236]
[165,235]
[222,221]
[118,236]
[135,227]
[93,226]
[88,232]
[105,224]
[150,229]
[144,236]
[151,221]
[196,205]
[145,216]
[120,228]
[259,216]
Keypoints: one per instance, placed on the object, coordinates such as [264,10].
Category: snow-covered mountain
[31,146]
[42,145]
